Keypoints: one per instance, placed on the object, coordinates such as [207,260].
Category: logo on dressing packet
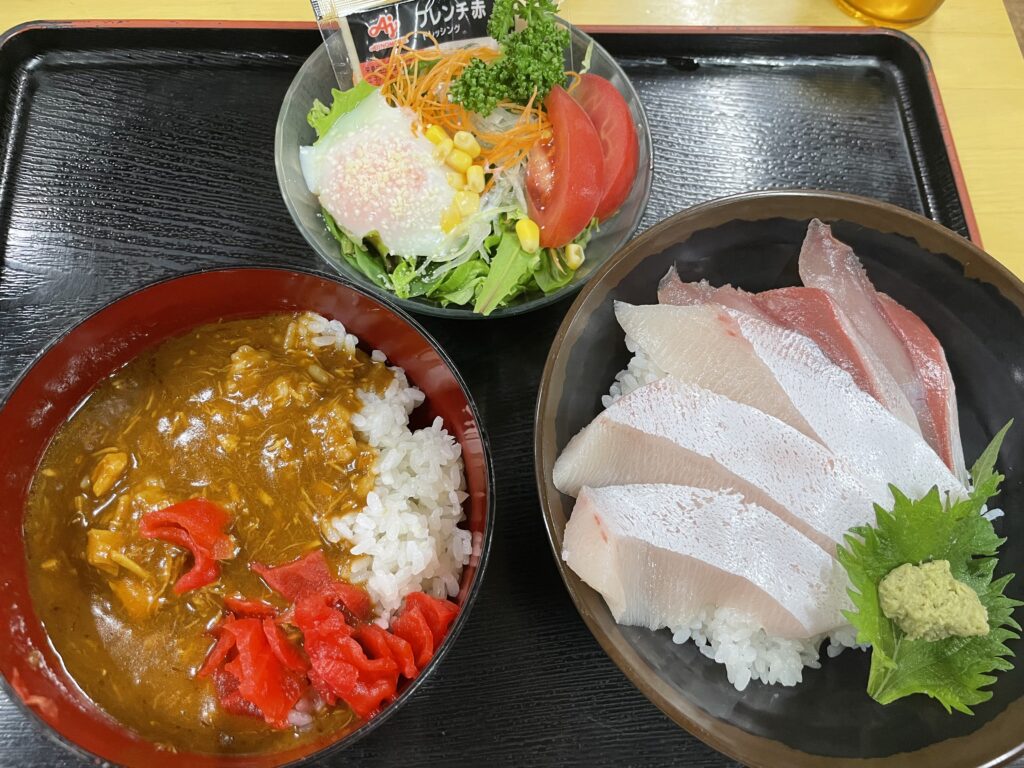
[386,24]
[424,22]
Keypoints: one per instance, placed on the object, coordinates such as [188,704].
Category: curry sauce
[253,415]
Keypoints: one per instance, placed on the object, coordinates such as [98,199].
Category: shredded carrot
[403,82]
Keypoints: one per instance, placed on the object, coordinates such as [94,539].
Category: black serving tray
[133,151]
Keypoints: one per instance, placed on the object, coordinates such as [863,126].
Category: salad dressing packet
[365,31]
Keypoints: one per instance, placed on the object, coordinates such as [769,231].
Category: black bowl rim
[485,544]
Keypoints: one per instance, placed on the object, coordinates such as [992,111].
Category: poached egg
[373,173]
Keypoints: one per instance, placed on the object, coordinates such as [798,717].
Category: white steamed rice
[409,529]
[727,636]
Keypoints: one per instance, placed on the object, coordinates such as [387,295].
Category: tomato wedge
[610,114]
[564,175]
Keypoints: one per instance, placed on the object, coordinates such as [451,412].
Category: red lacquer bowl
[52,387]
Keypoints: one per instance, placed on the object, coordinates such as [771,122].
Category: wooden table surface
[971,43]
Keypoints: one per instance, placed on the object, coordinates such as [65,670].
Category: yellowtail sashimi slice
[673,432]
[815,314]
[831,407]
[812,312]
[672,290]
[847,419]
[688,345]
[659,554]
[930,363]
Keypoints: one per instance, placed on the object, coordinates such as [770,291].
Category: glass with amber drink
[893,13]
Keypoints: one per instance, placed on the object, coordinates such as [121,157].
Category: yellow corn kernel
[444,149]
[450,220]
[465,141]
[436,134]
[574,255]
[475,179]
[456,180]
[458,160]
[467,203]
[529,235]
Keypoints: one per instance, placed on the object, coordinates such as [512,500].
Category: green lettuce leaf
[402,277]
[511,269]
[321,117]
[370,264]
[552,273]
[583,238]
[460,285]
[954,670]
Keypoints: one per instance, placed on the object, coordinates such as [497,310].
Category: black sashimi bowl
[972,304]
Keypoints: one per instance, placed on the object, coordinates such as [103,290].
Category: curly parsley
[532,60]
[955,669]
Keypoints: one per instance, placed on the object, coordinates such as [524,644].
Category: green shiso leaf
[954,670]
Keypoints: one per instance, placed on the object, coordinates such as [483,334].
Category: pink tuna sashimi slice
[813,312]
[831,265]
[809,311]
[659,554]
[930,362]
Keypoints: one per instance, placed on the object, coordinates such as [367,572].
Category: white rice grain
[639,371]
[735,640]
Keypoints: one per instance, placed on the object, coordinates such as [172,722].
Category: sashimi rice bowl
[777,477]
[480,178]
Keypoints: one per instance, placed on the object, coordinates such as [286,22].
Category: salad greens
[508,273]
[403,279]
[460,285]
[511,269]
[321,117]
[955,669]
[553,273]
[532,60]
[356,254]
[494,271]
